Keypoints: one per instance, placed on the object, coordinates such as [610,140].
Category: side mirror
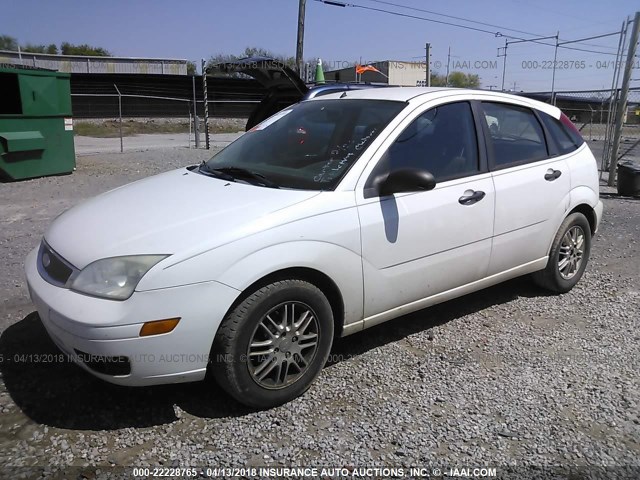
[404,180]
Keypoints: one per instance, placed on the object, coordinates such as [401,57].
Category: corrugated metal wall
[80,64]
[95,95]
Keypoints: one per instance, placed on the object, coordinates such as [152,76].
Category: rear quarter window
[567,139]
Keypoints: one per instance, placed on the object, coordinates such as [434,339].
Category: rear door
[531,183]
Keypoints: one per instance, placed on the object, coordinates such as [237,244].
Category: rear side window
[567,139]
[515,134]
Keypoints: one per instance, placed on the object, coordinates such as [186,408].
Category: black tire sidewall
[248,391]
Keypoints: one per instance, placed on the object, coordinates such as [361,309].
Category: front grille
[53,268]
[113,366]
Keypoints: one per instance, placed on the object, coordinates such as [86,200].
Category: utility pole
[506,44]
[613,98]
[427,49]
[300,43]
[504,62]
[622,102]
[446,82]
[553,75]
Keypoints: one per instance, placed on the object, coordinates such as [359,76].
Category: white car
[333,215]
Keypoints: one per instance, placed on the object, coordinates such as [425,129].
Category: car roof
[317,90]
[400,94]
[421,94]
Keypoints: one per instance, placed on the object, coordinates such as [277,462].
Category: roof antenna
[344,94]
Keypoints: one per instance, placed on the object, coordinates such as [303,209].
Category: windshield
[309,146]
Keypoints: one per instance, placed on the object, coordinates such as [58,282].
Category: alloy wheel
[283,345]
[571,252]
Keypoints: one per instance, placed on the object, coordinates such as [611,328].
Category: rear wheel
[568,256]
[272,345]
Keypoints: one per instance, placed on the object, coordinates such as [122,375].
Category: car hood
[173,212]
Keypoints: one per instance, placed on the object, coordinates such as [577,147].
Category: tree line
[66,48]
[455,79]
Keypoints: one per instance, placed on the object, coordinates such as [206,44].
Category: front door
[416,245]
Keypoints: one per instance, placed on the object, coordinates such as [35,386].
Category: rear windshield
[311,145]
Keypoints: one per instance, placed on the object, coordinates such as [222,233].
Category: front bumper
[83,326]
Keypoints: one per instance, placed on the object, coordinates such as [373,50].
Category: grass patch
[111,128]
[225,129]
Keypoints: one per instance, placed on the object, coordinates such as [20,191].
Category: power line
[442,22]
[472,21]
[452,16]
[406,15]
[583,49]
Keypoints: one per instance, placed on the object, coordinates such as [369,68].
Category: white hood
[165,214]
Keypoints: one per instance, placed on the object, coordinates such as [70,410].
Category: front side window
[442,140]
[309,146]
[515,134]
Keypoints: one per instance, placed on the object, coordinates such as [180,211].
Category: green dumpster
[36,128]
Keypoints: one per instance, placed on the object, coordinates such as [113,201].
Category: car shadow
[428,318]
[53,391]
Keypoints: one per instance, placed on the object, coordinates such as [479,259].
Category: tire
[265,362]
[562,277]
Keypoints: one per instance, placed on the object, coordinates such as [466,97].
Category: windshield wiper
[239,172]
[232,173]
[205,170]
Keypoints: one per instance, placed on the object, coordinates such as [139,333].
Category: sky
[195,29]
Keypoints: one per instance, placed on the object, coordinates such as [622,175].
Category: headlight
[115,278]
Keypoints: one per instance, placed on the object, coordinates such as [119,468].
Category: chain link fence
[131,106]
[137,106]
[593,112]
[630,140]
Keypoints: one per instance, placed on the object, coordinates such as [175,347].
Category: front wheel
[568,256]
[273,344]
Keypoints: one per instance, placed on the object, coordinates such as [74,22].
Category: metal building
[392,72]
[85,64]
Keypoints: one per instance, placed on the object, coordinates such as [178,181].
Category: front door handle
[552,174]
[471,197]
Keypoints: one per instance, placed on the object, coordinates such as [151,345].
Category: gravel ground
[508,377]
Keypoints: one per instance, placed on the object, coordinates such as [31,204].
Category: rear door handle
[551,175]
[471,197]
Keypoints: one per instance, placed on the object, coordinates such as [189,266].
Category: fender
[581,195]
[339,228]
[341,265]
